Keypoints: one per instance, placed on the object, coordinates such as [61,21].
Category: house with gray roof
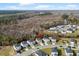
[54,51]
[40,53]
[17,47]
[68,51]
[24,44]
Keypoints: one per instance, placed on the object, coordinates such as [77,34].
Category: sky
[39,4]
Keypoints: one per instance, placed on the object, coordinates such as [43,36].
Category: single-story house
[54,51]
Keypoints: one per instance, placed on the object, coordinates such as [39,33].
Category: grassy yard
[47,50]
[63,52]
[7,51]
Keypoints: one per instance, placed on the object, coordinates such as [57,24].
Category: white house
[52,28]
[68,52]
[78,27]
[54,52]
[17,47]
[68,31]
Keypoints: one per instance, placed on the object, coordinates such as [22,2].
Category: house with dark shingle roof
[54,51]
[24,44]
[40,53]
[68,51]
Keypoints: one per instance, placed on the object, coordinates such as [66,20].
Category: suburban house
[34,54]
[24,44]
[77,53]
[31,43]
[17,47]
[39,42]
[45,40]
[68,31]
[53,40]
[78,45]
[72,42]
[65,44]
[63,32]
[78,27]
[54,51]
[64,28]
[40,53]
[68,51]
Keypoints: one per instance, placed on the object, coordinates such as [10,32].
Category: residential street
[30,51]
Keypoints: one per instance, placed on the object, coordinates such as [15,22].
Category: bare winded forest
[17,27]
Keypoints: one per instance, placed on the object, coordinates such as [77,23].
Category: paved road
[30,51]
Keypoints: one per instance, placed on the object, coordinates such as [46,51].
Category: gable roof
[54,49]
[68,50]
[41,53]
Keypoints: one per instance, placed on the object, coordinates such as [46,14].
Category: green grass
[47,50]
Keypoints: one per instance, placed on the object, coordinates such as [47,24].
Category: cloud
[38,1]
[26,2]
[42,7]
[71,7]
[9,1]
[10,8]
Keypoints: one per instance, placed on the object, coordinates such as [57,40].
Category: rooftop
[54,49]
[68,50]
